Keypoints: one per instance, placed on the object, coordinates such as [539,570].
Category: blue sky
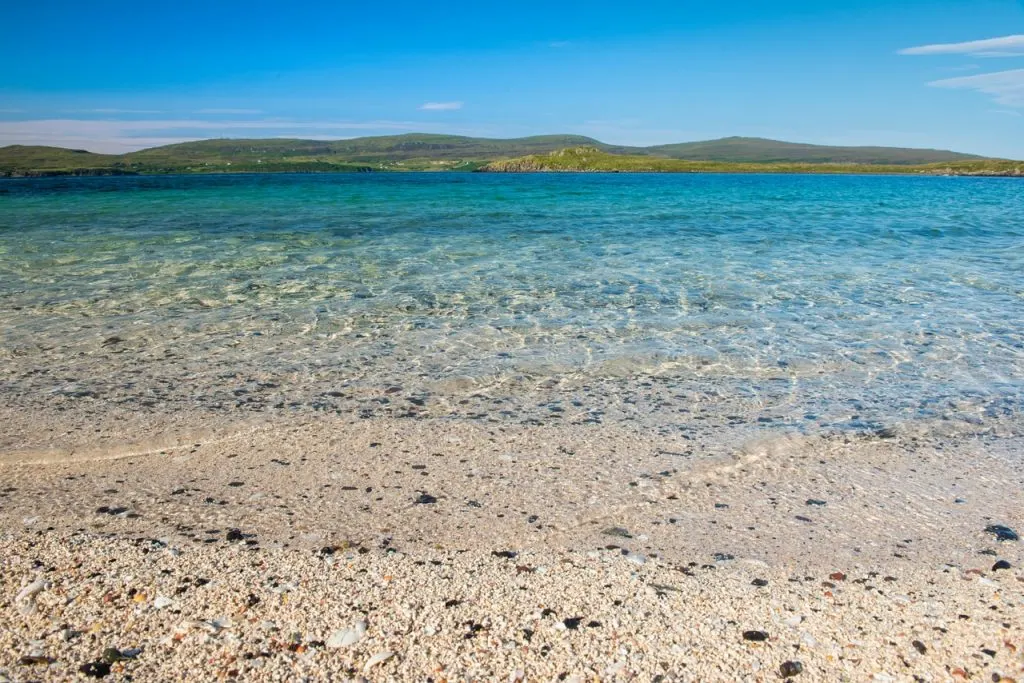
[111,75]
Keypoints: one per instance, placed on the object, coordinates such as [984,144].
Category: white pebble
[378,659]
[347,637]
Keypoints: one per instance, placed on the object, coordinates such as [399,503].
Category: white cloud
[1006,46]
[116,136]
[229,111]
[123,111]
[440,106]
[1005,87]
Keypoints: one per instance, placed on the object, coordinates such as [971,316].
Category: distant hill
[420,151]
[760,150]
[55,160]
[592,159]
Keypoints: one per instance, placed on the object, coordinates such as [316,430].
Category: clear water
[679,301]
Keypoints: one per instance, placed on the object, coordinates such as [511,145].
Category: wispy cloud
[1005,112]
[237,112]
[1005,87]
[1006,46]
[440,106]
[112,135]
[109,110]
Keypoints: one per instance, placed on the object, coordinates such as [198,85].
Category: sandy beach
[450,551]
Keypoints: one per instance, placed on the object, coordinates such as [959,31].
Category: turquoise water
[678,301]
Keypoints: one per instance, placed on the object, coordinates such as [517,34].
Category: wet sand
[874,549]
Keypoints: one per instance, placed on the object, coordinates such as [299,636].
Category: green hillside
[591,159]
[55,160]
[420,152]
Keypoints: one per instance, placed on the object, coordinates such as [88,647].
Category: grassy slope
[590,159]
[426,152]
[54,159]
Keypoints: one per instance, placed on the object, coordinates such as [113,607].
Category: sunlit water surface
[678,301]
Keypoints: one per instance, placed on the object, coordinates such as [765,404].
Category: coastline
[305,523]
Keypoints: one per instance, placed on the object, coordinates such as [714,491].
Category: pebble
[378,658]
[1002,533]
[98,669]
[636,558]
[617,531]
[26,598]
[755,636]
[1001,564]
[425,499]
[790,669]
[347,637]
[816,502]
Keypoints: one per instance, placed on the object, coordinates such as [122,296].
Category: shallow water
[683,302]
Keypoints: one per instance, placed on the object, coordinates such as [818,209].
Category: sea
[706,306]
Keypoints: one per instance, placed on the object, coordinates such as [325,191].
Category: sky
[116,75]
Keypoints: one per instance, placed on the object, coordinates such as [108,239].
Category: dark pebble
[816,502]
[1002,533]
[236,484]
[919,646]
[755,636]
[1001,564]
[235,535]
[722,557]
[504,554]
[790,669]
[803,519]
[721,506]
[617,531]
[95,669]
[572,623]
[252,600]
[425,499]
[760,583]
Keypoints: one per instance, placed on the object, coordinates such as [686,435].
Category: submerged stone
[1002,533]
